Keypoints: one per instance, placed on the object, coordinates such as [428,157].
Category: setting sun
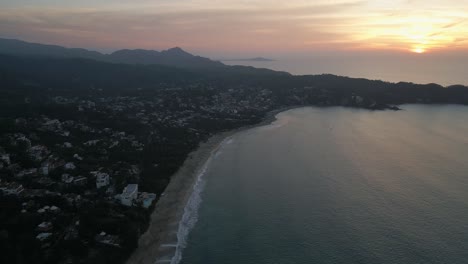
[418,50]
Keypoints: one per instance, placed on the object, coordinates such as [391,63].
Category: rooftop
[131,188]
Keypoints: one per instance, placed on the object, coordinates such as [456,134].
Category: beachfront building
[129,194]
[146,199]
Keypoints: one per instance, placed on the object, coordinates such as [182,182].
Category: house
[146,199]
[44,169]
[91,142]
[38,153]
[43,236]
[45,182]
[44,227]
[27,173]
[129,194]
[67,178]
[69,166]
[23,141]
[54,163]
[106,239]
[80,181]
[12,188]
[5,159]
[102,180]
[52,125]
[54,209]
[72,198]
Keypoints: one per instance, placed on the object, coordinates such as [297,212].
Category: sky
[243,27]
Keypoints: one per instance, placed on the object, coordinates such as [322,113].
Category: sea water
[416,68]
[338,185]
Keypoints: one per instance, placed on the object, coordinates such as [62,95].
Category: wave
[190,216]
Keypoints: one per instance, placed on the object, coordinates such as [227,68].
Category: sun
[418,50]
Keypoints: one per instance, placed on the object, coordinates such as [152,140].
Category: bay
[339,185]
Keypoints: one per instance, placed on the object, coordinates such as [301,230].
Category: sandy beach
[159,243]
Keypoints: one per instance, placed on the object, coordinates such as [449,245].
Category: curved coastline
[175,212]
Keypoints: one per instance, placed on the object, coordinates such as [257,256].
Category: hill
[171,57]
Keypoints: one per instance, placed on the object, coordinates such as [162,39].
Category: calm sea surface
[338,185]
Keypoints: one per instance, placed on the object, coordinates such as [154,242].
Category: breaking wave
[190,216]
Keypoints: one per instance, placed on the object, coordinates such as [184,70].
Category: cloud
[229,25]
[204,27]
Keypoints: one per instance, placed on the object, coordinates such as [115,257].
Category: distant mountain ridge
[250,59]
[172,57]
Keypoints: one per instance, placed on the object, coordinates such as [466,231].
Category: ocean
[416,68]
[336,185]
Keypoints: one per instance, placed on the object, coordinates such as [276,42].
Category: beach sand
[159,243]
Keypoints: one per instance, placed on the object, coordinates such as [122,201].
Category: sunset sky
[241,26]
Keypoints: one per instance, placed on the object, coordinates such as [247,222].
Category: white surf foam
[190,215]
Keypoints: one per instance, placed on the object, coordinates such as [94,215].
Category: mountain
[250,59]
[260,59]
[75,74]
[171,57]
[18,47]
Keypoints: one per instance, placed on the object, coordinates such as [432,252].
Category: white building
[129,194]
[102,180]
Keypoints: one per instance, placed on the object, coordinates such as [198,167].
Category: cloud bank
[242,25]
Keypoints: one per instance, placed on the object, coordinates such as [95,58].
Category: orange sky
[242,26]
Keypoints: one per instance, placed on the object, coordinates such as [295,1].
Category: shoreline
[160,242]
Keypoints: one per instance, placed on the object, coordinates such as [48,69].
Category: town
[83,165]
[80,175]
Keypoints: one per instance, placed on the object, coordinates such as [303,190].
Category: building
[80,181]
[44,170]
[38,153]
[5,159]
[44,227]
[108,240]
[129,194]
[12,188]
[102,180]
[43,236]
[69,166]
[67,178]
[146,199]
